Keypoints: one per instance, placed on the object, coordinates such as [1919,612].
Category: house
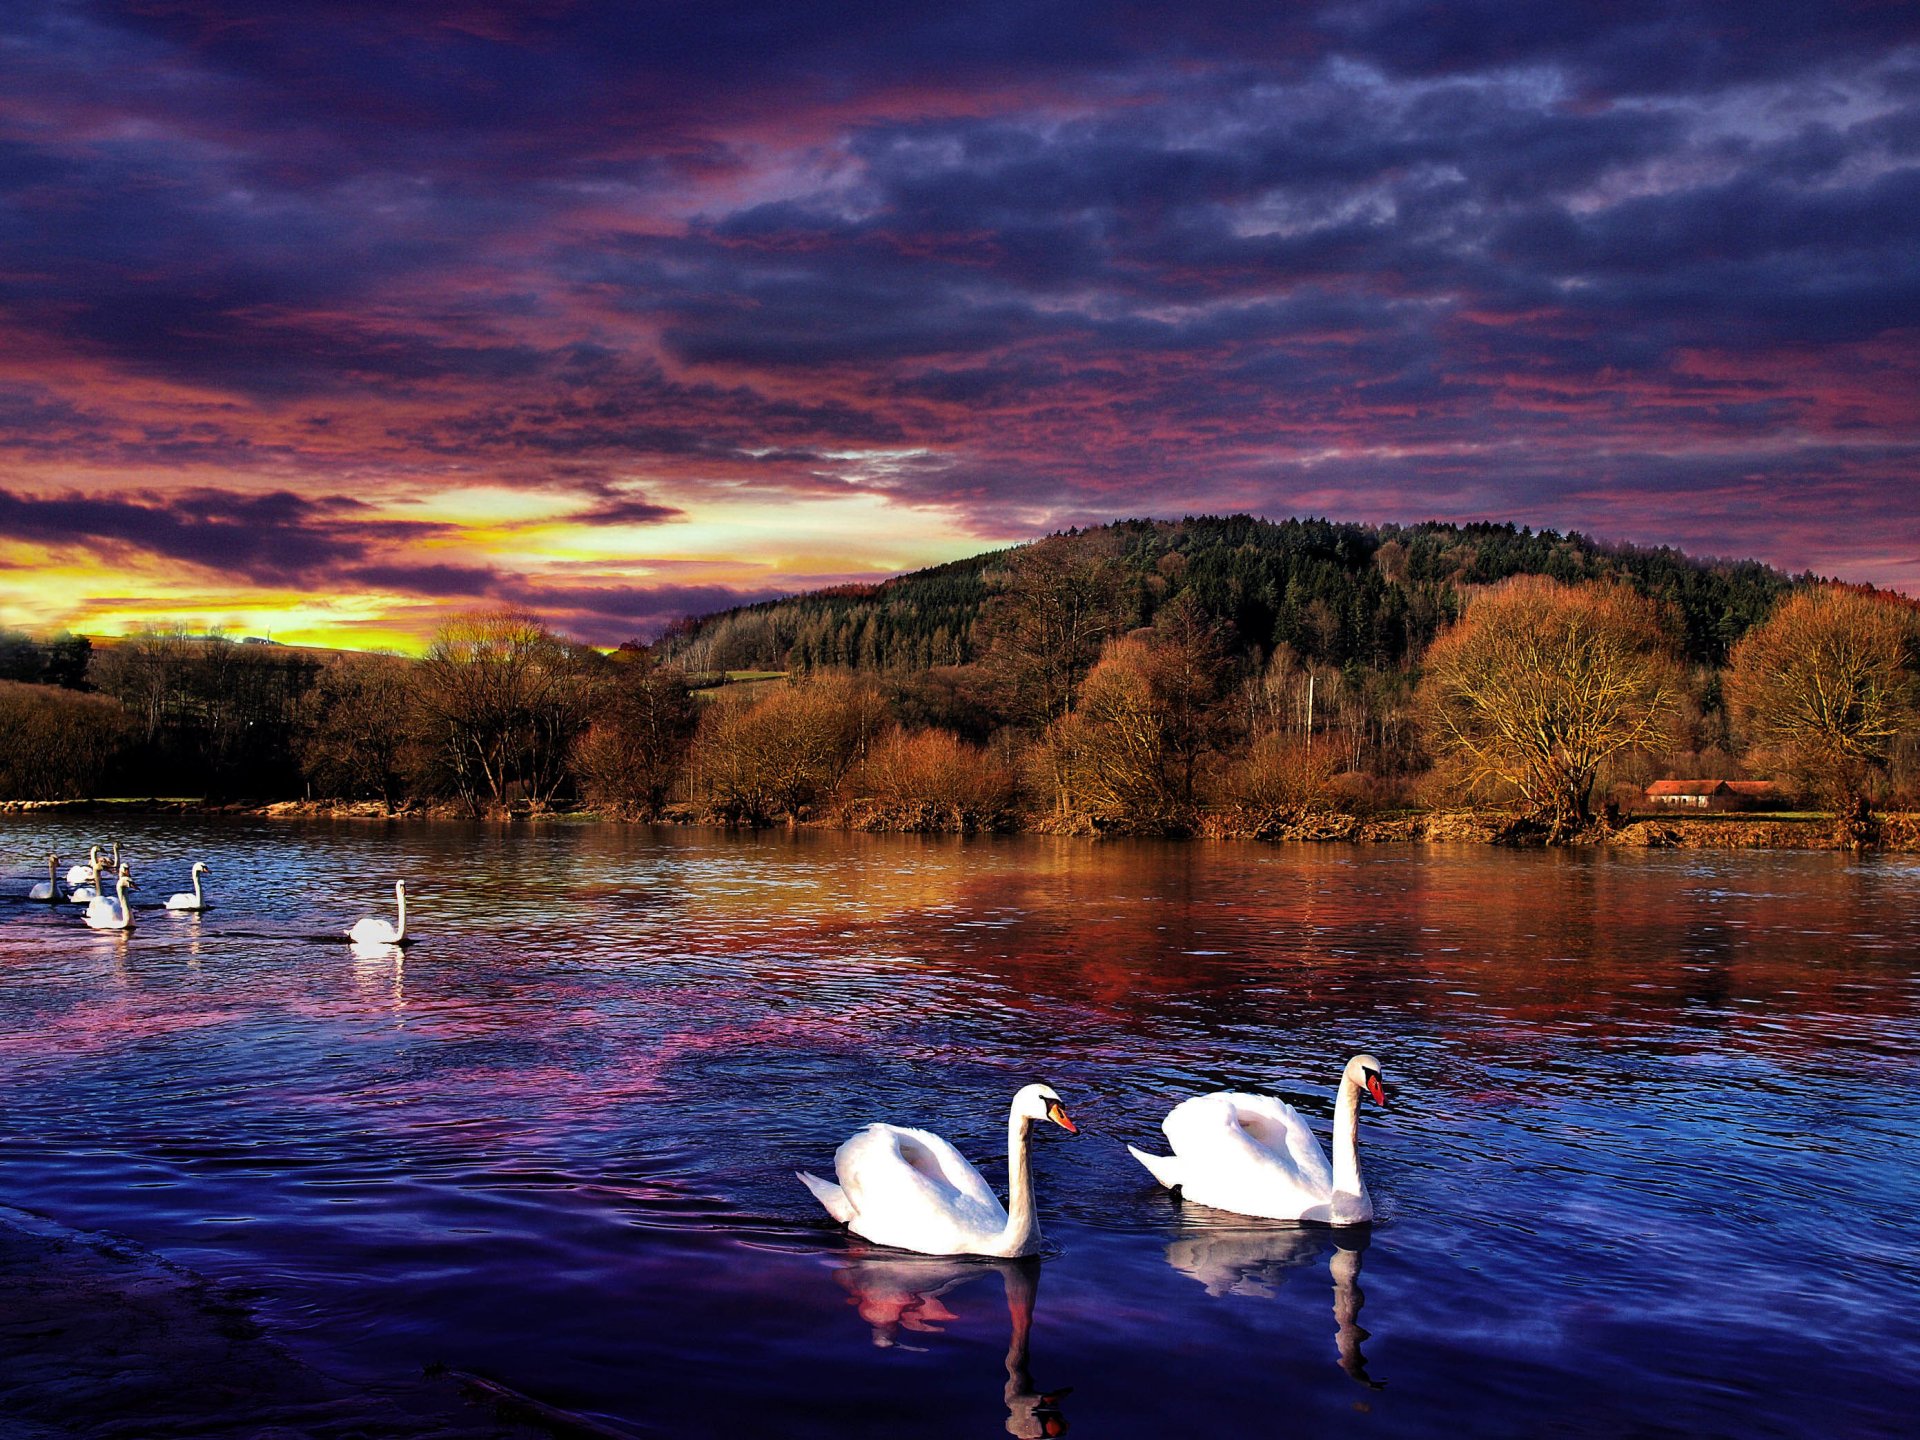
[1713,794]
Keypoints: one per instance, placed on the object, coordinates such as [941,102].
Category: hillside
[1339,594]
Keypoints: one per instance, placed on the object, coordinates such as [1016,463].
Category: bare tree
[357,727]
[1150,712]
[643,723]
[765,759]
[1040,633]
[502,699]
[1540,684]
[57,744]
[931,780]
[1827,687]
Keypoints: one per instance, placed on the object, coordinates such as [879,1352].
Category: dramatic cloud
[799,290]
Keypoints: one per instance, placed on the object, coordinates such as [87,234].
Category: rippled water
[1649,1166]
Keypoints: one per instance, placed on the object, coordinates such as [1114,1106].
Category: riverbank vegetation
[1215,676]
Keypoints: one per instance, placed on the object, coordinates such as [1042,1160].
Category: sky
[325,320]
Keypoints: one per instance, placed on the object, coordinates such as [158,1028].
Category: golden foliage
[931,780]
[1540,684]
[1827,687]
[775,757]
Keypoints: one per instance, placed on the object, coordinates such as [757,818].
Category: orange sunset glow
[324,325]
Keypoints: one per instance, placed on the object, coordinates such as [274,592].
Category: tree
[931,780]
[1539,684]
[1827,687]
[502,700]
[1040,634]
[356,728]
[643,723]
[1149,712]
[56,744]
[761,760]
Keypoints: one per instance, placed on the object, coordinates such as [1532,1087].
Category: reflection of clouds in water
[1252,1261]
[908,1294]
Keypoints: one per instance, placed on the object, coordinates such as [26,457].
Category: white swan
[195,901]
[81,874]
[88,892]
[375,931]
[112,914]
[49,888]
[912,1190]
[1255,1155]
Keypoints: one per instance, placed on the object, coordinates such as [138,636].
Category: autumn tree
[1281,779]
[502,700]
[1827,687]
[357,731]
[1540,684]
[644,718]
[1149,712]
[1051,608]
[931,780]
[57,744]
[765,759]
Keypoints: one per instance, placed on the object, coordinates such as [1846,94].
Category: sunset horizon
[324,324]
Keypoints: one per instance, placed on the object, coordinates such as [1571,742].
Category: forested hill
[1344,595]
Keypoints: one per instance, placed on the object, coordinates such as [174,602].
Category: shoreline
[1899,830]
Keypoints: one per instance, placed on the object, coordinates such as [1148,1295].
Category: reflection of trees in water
[906,1295]
[1249,1260]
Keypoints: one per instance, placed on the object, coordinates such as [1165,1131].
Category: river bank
[1899,831]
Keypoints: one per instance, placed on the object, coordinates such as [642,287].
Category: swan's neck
[196,887]
[400,899]
[53,869]
[1351,1203]
[1022,1230]
[126,913]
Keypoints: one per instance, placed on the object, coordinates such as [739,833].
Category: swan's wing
[1248,1153]
[924,1147]
[1283,1130]
[912,1189]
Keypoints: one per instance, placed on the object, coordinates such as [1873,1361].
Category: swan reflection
[903,1296]
[1253,1260]
[375,961]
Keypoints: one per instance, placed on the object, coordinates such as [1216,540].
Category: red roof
[1685,787]
[1753,788]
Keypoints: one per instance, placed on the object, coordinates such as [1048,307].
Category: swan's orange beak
[1057,1113]
[1373,1089]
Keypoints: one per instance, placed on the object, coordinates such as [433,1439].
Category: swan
[49,888]
[195,901]
[1255,1155]
[81,874]
[90,891]
[112,914]
[912,1190]
[375,931]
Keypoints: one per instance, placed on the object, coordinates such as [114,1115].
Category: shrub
[931,780]
[57,744]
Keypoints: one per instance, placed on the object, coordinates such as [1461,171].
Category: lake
[1650,1162]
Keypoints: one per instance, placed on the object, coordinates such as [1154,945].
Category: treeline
[1353,597]
[1140,678]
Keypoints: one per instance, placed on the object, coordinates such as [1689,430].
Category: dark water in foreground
[1652,1164]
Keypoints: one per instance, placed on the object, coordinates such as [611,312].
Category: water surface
[1648,1167]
